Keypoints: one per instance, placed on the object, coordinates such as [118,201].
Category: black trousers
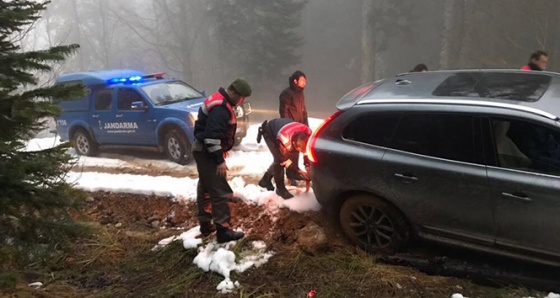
[292,170]
[213,192]
[276,168]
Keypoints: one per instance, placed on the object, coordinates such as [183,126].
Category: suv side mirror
[138,105]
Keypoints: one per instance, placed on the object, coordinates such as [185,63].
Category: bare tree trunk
[106,46]
[447,38]
[467,36]
[79,37]
[184,40]
[368,50]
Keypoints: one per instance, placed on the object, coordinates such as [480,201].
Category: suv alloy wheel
[373,224]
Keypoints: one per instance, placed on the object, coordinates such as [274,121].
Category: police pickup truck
[129,109]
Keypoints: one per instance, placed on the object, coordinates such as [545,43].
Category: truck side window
[126,98]
[103,100]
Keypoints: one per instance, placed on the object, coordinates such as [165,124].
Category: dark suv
[468,158]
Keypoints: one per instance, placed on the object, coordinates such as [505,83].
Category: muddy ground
[117,260]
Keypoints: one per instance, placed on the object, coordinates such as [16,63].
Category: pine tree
[35,200]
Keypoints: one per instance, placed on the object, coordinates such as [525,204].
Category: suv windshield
[170,92]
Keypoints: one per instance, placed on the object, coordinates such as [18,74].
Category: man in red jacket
[292,106]
[538,61]
[283,137]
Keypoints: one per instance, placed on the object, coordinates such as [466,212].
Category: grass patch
[351,273]
[120,263]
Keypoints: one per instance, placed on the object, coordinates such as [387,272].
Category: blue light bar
[124,80]
[134,79]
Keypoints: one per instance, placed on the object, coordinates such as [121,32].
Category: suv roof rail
[462,102]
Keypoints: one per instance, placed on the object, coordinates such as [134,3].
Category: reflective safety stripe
[212,141]
[215,100]
[214,148]
[287,131]
[286,164]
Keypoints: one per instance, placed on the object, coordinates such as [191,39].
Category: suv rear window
[374,129]
[513,86]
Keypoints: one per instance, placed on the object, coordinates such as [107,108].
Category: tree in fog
[520,28]
[382,21]
[105,41]
[36,199]
[258,39]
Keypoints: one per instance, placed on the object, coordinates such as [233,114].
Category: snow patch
[220,258]
[36,284]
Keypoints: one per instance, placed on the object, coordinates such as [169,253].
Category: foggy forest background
[339,44]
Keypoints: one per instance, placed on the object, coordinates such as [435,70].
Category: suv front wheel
[177,147]
[373,224]
[83,143]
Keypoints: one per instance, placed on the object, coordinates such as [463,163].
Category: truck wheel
[237,141]
[83,143]
[177,147]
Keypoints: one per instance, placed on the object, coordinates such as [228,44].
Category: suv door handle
[406,177]
[95,116]
[118,115]
[518,196]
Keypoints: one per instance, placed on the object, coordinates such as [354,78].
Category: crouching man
[214,132]
[283,137]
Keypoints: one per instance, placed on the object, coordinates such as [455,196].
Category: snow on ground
[220,258]
[251,157]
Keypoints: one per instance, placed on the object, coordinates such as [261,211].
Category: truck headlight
[239,112]
[192,118]
[247,107]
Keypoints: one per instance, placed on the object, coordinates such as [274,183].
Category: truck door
[102,112]
[134,125]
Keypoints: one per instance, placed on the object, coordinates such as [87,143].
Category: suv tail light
[310,150]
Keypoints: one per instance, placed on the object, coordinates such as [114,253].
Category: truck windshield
[170,92]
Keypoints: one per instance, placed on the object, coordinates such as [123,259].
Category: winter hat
[242,87]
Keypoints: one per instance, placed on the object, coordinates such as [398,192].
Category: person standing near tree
[292,106]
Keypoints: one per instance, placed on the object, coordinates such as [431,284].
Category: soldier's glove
[304,175]
[259,135]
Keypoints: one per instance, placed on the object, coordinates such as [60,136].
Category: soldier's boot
[282,191]
[207,228]
[266,181]
[226,235]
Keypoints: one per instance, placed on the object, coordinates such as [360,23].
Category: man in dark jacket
[283,137]
[214,132]
[538,61]
[292,106]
